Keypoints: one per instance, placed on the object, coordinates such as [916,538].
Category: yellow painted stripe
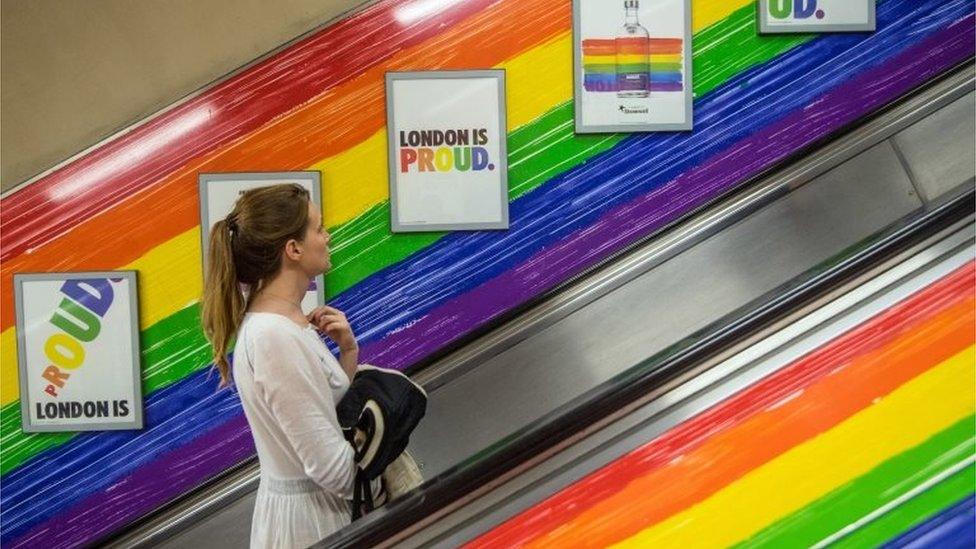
[611,59]
[170,279]
[538,80]
[705,13]
[907,417]
[9,388]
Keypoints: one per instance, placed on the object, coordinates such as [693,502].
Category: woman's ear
[293,249]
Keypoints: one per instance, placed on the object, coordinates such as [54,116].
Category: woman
[273,244]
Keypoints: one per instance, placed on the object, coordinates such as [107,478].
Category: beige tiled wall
[74,72]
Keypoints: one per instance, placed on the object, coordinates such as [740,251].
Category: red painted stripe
[953,293]
[108,175]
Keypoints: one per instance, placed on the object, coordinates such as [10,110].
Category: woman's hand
[332,322]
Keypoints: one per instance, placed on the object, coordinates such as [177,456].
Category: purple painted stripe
[627,224]
[600,87]
[666,86]
[146,489]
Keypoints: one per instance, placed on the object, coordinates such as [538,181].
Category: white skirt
[295,514]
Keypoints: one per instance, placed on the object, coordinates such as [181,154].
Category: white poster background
[452,199]
[836,15]
[107,372]
[223,190]
[602,19]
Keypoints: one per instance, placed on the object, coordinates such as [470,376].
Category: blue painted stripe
[56,479]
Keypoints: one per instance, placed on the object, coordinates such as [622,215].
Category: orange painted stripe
[727,456]
[653,46]
[324,127]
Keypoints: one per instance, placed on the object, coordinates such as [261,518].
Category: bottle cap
[631,4]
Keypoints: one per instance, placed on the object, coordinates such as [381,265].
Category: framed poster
[219,192]
[78,351]
[632,65]
[786,16]
[447,150]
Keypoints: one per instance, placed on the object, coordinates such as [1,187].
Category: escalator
[677,442]
[681,323]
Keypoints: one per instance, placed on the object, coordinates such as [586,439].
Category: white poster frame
[578,81]
[397,222]
[258,179]
[23,370]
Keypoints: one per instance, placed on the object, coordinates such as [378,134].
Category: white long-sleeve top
[289,384]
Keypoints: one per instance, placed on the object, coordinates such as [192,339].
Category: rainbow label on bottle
[633,81]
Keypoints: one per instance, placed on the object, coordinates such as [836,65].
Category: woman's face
[315,260]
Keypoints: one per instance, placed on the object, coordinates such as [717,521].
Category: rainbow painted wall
[319,105]
[879,421]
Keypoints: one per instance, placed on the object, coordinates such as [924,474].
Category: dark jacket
[377,415]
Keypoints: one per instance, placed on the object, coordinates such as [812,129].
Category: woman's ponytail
[223,302]
[245,250]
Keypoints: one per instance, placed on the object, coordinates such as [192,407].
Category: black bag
[377,414]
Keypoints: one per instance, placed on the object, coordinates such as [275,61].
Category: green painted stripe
[914,512]
[548,146]
[171,349]
[883,484]
[631,67]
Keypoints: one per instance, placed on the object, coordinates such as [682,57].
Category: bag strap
[362,497]
[357,497]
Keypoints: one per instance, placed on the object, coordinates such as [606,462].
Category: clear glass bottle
[632,46]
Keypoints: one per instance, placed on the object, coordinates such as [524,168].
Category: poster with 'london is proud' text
[448,165]
[78,351]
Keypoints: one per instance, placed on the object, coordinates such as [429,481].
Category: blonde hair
[246,249]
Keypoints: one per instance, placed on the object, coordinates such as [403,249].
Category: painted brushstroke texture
[103,177]
[660,58]
[178,258]
[953,527]
[325,126]
[567,191]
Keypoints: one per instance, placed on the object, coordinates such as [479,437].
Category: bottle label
[632,81]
